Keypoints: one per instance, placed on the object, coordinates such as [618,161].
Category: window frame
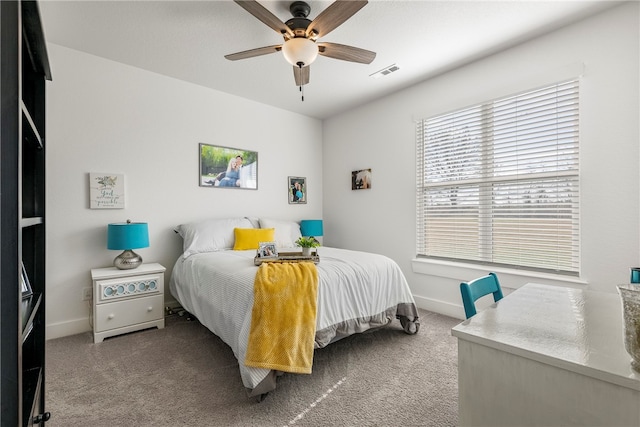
[565,177]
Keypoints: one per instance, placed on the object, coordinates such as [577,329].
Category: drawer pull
[111,316]
[149,308]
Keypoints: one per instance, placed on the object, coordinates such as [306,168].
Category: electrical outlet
[87,294]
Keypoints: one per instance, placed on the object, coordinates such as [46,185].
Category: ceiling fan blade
[334,15]
[346,53]
[254,52]
[301,75]
[263,14]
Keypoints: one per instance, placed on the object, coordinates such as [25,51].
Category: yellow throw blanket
[283,318]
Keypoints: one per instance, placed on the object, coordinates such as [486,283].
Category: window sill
[510,277]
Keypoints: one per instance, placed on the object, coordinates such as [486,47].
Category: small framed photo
[297,190]
[361,180]
[267,250]
[25,284]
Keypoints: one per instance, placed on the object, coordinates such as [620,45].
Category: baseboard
[440,307]
[64,329]
[78,326]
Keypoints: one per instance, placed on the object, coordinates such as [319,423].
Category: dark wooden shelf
[34,35]
[29,222]
[24,66]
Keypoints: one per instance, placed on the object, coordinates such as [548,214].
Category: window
[497,183]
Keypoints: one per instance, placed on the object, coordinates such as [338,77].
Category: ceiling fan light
[300,50]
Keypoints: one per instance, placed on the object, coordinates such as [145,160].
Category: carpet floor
[183,375]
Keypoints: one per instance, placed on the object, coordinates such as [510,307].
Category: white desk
[547,356]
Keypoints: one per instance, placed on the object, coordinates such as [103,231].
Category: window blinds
[498,182]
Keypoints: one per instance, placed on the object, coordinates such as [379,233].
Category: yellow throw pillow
[250,238]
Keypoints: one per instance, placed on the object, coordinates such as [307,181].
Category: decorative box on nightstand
[127,300]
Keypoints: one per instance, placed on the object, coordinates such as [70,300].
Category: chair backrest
[478,288]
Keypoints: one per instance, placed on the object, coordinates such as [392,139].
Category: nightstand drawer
[128,312]
[136,286]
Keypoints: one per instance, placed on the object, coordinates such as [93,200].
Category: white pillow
[255,222]
[210,235]
[287,232]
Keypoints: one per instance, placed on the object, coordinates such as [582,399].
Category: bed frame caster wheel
[42,418]
[411,327]
[261,397]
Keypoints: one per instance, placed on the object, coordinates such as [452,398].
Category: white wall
[381,135]
[104,116]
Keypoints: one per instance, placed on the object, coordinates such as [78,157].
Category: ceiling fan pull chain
[300,64]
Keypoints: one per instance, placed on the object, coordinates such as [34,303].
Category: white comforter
[354,287]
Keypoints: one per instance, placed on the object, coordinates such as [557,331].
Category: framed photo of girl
[226,167]
[361,179]
[267,250]
[297,190]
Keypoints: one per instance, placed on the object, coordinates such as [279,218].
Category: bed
[357,291]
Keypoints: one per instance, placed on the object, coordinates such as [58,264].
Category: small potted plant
[306,243]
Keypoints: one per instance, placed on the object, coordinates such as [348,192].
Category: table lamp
[311,227]
[127,236]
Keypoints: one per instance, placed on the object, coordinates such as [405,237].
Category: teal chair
[472,291]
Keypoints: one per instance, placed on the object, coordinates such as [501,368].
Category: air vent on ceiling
[385,71]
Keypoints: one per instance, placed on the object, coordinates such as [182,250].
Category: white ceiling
[188,40]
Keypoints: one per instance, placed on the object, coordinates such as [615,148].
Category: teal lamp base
[127,260]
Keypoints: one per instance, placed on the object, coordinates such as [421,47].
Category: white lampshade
[300,50]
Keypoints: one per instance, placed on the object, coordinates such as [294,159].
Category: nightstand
[127,300]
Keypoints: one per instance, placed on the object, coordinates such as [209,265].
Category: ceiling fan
[300,47]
